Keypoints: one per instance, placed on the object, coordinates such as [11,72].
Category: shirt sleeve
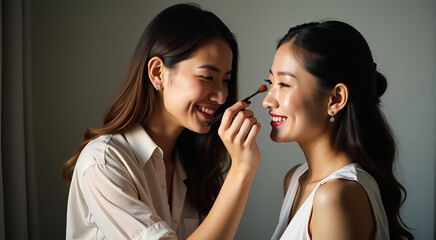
[114,205]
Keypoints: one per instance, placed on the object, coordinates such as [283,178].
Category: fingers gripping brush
[261,89]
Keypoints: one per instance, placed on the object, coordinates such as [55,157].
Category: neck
[164,133]
[321,158]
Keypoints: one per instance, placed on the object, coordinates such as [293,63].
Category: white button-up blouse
[118,191]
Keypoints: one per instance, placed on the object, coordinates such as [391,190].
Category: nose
[270,100]
[219,93]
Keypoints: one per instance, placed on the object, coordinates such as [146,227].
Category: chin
[275,137]
[199,129]
[278,140]
[204,131]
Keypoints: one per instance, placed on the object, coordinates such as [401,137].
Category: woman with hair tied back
[155,169]
[324,94]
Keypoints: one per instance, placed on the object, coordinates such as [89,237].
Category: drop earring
[332,114]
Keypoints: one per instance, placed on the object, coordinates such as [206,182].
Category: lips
[277,120]
[206,111]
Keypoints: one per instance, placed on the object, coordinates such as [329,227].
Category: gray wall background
[80,51]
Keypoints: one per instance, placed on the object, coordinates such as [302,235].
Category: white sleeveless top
[299,225]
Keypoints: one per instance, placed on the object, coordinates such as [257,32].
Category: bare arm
[341,210]
[238,131]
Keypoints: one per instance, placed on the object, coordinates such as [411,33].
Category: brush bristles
[262,88]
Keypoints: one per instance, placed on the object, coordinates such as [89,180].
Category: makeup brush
[261,89]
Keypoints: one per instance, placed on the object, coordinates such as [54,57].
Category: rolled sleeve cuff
[157,231]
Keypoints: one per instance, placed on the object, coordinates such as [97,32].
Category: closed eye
[283,85]
[268,81]
[206,77]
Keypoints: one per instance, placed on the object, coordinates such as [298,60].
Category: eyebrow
[283,73]
[213,68]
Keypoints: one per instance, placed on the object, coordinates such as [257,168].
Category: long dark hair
[173,35]
[335,52]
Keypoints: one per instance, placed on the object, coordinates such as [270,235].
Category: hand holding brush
[261,89]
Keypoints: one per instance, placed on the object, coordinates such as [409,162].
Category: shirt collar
[143,146]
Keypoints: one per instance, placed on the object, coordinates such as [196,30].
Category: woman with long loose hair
[324,95]
[154,170]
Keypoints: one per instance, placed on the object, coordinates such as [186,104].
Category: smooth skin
[239,136]
[341,209]
[201,81]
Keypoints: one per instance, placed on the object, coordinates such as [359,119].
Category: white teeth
[206,110]
[278,119]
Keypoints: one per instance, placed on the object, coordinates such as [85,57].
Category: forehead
[285,59]
[214,51]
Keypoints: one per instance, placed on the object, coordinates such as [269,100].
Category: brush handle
[248,98]
[215,119]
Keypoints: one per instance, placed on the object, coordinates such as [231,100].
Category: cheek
[194,91]
[186,89]
[290,102]
[312,113]
[301,108]
[226,92]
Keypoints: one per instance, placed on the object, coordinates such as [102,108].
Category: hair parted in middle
[173,35]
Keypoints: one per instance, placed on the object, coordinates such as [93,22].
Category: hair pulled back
[335,52]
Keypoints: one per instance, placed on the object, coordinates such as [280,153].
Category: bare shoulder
[341,209]
[340,191]
[288,177]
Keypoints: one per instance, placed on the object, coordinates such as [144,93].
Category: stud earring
[332,119]
[158,87]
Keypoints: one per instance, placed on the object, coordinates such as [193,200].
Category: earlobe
[338,99]
[155,72]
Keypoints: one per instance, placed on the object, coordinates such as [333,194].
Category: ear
[155,72]
[338,99]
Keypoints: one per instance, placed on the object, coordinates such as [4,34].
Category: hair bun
[381,84]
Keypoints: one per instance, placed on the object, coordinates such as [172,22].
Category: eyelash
[206,77]
[226,81]
[280,84]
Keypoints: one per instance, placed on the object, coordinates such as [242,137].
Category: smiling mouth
[277,120]
[206,112]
